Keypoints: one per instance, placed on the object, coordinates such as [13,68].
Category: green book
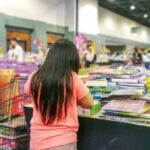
[95,109]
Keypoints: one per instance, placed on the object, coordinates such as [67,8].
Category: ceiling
[122,7]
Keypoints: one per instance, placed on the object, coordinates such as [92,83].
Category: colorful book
[94,83]
[131,106]
[118,80]
[126,92]
[145,115]
[118,113]
[95,109]
[132,84]
[102,89]
[145,97]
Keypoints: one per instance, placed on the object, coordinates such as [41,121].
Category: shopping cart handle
[18,75]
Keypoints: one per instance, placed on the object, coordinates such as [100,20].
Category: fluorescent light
[112,0]
[145,15]
[132,7]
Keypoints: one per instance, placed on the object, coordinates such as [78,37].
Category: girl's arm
[86,101]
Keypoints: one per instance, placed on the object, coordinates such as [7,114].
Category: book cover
[132,106]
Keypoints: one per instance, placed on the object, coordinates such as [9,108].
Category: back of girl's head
[63,55]
[53,80]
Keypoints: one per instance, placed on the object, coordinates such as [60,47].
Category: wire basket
[13,132]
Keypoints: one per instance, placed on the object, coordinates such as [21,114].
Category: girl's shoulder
[30,76]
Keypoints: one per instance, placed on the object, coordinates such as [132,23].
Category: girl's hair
[51,84]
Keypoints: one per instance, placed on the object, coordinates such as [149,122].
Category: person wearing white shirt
[11,52]
[146,60]
[18,50]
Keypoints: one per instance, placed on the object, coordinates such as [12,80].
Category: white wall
[50,11]
[112,24]
[71,14]
[88,16]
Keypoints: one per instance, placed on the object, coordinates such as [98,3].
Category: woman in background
[56,89]
[90,56]
[137,56]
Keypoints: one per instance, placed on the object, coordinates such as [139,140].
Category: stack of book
[123,107]
[122,94]
[99,88]
[127,110]
[122,79]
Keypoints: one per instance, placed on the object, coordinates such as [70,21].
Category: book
[132,88]
[94,83]
[145,110]
[145,115]
[131,106]
[125,80]
[107,89]
[132,84]
[126,92]
[145,97]
[99,95]
[95,109]
[118,113]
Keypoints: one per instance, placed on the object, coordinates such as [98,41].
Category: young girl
[56,89]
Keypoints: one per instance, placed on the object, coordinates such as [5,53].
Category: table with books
[123,122]
[120,117]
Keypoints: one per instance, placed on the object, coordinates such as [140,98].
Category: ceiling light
[112,0]
[132,7]
[145,15]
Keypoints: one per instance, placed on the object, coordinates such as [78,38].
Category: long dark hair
[51,84]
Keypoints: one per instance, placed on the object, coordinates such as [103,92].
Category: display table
[98,134]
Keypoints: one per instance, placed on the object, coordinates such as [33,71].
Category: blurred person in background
[90,56]
[18,50]
[137,56]
[11,52]
[146,60]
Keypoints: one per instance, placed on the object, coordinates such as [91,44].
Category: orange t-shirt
[58,133]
